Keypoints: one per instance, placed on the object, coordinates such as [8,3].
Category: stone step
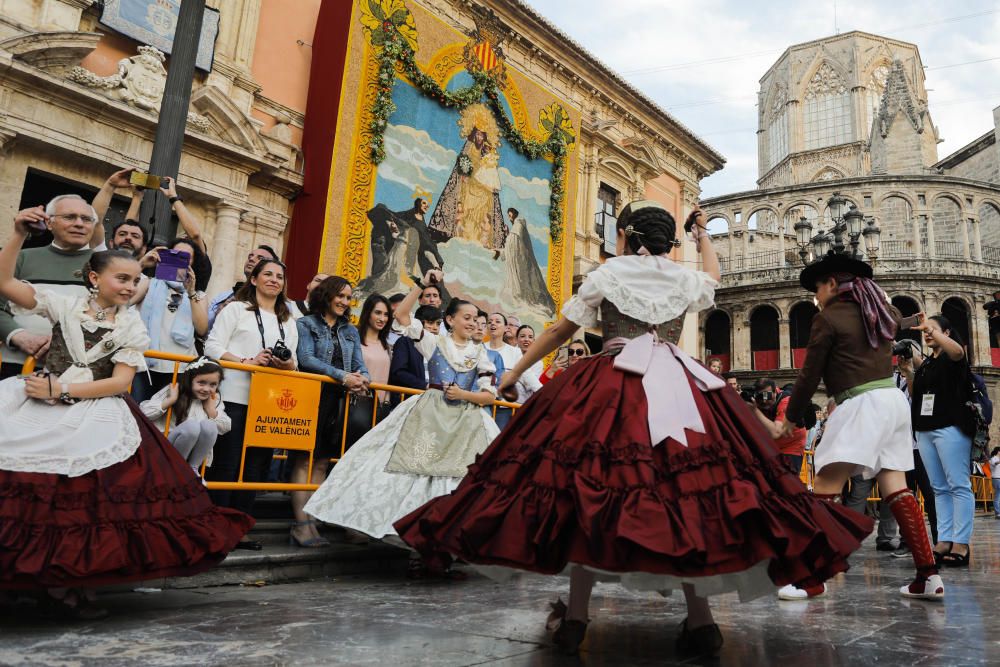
[280,563]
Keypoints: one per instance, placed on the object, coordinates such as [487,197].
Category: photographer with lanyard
[256,329]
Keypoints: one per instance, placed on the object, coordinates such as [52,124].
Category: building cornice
[967,151]
[846,184]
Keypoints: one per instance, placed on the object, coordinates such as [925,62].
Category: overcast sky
[717,100]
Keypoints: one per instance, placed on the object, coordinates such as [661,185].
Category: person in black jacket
[407,368]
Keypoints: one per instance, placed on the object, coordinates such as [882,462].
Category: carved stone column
[977,237]
[784,343]
[979,328]
[965,239]
[931,245]
[226,267]
[918,249]
[741,340]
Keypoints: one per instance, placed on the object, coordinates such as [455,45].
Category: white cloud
[536,189]
[410,154]
[718,101]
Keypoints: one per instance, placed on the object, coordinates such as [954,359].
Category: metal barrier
[981,486]
[239,484]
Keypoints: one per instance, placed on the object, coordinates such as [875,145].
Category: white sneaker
[791,592]
[930,589]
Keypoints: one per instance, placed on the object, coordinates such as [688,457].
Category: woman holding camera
[257,330]
[174,313]
[942,423]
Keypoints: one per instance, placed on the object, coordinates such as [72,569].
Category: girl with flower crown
[197,414]
[421,450]
[91,494]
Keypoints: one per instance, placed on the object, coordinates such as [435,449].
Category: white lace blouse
[648,288]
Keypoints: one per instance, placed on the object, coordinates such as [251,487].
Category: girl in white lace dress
[91,494]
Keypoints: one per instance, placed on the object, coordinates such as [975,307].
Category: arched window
[799,323]
[957,312]
[717,336]
[947,230]
[717,225]
[763,220]
[907,307]
[897,231]
[827,109]
[989,233]
[764,345]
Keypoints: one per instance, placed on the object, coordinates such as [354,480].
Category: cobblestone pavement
[387,620]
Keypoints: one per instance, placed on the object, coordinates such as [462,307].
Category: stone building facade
[848,115]
[69,118]
[79,100]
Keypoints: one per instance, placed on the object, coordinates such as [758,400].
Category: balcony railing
[900,249]
[949,249]
[894,249]
[991,255]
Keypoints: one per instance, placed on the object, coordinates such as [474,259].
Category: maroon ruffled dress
[145,517]
[575,479]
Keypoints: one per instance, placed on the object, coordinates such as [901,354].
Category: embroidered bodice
[59,360]
[442,373]
[614,324]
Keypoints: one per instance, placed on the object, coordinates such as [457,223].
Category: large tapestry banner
[457,163]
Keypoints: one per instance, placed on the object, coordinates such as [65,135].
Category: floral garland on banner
[397,55]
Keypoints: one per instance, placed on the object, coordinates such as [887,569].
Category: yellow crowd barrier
[240,484]
[981,486]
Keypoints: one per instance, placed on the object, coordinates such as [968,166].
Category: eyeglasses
[576,353]
[73,217]
[254,255]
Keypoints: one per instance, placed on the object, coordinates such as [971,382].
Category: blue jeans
[945,453]
[996,497]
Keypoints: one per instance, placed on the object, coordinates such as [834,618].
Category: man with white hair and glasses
[58,266]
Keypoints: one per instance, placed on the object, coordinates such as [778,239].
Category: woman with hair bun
[634,464]
[93,494]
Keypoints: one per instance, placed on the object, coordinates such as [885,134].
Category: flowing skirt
[575,480]
[367,490]
[146,517]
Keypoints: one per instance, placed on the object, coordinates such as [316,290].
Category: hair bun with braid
[647,224]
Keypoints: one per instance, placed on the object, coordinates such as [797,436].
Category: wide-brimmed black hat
[833,263]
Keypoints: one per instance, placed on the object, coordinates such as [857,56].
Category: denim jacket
[316,347]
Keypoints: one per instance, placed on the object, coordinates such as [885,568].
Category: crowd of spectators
[254,323]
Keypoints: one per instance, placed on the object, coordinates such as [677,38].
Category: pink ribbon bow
[670,404]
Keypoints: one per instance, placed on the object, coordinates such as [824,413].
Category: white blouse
[648,288]
[235,331]
[153,408]
[461,357]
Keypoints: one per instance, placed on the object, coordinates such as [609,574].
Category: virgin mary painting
[469,205]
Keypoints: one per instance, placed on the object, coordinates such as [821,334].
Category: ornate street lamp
[849,223]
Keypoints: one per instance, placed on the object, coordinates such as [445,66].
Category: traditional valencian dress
[639,464]
[91,493]
[420,451]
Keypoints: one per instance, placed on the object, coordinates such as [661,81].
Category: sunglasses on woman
[576,353]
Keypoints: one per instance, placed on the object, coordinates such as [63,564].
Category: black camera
[280,352]
[751,394]
[902,349]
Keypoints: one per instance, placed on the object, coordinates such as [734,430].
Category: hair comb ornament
[630,230]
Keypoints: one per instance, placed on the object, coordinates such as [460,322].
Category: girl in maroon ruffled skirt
[91,494]
[638,465]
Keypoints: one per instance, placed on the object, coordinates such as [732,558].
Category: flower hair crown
[199,362]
